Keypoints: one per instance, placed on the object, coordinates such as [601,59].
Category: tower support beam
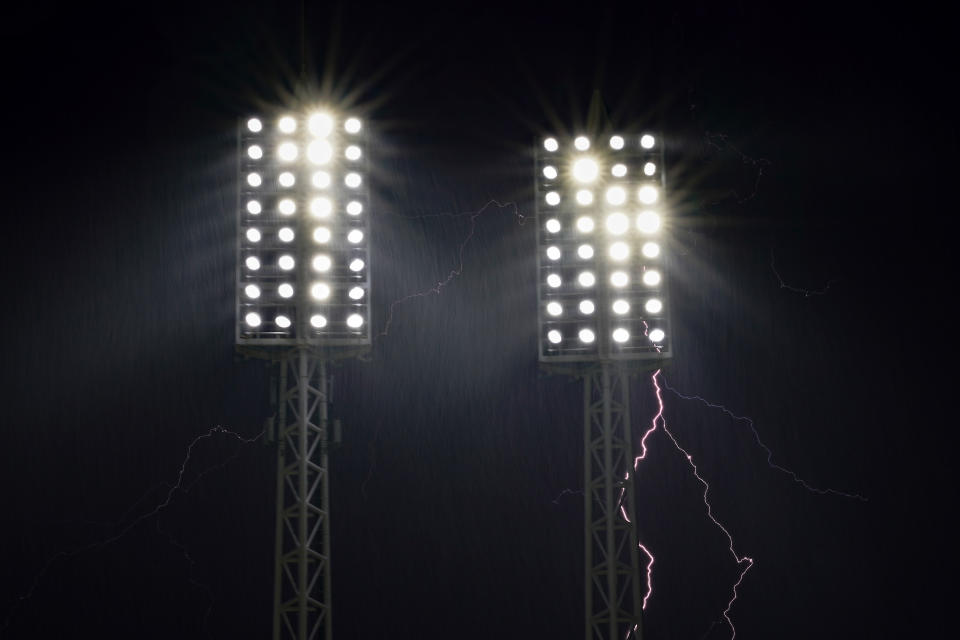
[301,608]
[612,580]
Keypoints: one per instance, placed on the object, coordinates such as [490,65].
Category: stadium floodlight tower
[602,315]
[303,285]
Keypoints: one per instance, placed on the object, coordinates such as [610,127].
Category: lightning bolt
[171,493]
[458,270]
[721,142]
[756,435]
[806,292]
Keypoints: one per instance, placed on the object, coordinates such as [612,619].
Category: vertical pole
[325,470]
[610,508]
[303,389]
[587,507]
[281,439]
[630,500]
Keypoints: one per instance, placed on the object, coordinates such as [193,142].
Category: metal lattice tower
[302,570]
[612,587]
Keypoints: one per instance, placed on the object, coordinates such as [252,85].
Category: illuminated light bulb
[553,253]
[321,263]
[586,279]
[285,290]
[554,336]
[619,278]
[352,180]
[355,236]
[585,170]
[619,251]
[352,125]
[553,225]
[616,195]
[584,197]
[653,306]
[320,291]
[353,152]
[585,251]
[651,278]
[621,335]
[647,194]
[648,222]
[254,125]
[657,335]
[650,249]
[587,307]
[552,198]
[317,321]
[286,207]
[550,172]
[253,263]
[287,152]
[319,152]
[354,208]
[285,234]
[286,179]
[355,293]
[581,143]
[585,224]
[619,170]
[616,143]
[321,207]
[253,235]
[252,291]
[254,179]
[321,235]
[356,265]
[282,321]
[252,319]
[617,223]
[285,262]
[354,321]
[255,151]
[621,307]
[550,144]
[554,281]
[320,124]
[649,169]
[321,179]
[647,141]
[587,336]
[254,207]
[554,308]
[287,124]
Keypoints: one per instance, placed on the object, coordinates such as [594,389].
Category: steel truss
[612,585]
[301,607]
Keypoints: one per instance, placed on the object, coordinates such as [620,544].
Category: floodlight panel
[603,292]
[278,214]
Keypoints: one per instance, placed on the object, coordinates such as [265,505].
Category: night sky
[811,224]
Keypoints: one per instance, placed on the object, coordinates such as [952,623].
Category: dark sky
[806,143]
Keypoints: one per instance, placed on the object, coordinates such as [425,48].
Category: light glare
[550,172]
[321,235]
[554,308]
[285,234]
[651,278]
[254,179]
[321,263]
[586,279]
[352,180]
[647,141]
[554,336]
[554,281]
[585,170]
[552,198]
[584,197]
[585,251]
[318,321]
[352,152]
[255,151]
[581,143]
[355,293]
[321,179]
[252,319]
[651,249]
[356,265]
[254,207]
[320,124]
[286,179]
[587,336]
[253,263]
[354,321]
[252,291]
[285,262]
[621,307]
[553,225]
[550,144]
[355,236]
[653,306]
[621,335]
[647,194]
[287,124]
[617,223]
[282,321]
[648,222]
[619,251]
[619,279]
[319,152]
[657,335]
[320,291]
[287,152]
[587,307]
[352,125]
[354,208]
[649,169]
[616,142]
[285,290]
[253,235]
[286,207]
[254,125]
[321,207]
[585,224]
[553,253]
[619,170]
